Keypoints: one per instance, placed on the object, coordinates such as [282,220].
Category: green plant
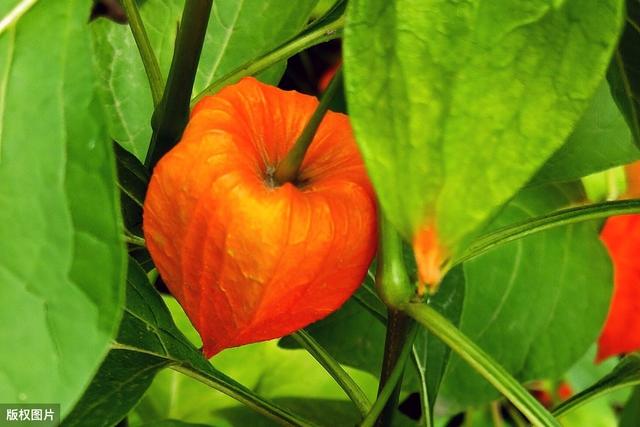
[476,121]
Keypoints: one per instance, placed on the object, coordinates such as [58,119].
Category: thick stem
[481,362]
[334,369]
[392,281]
[287,169]
[393,381]
[393,287]
[172,114]
[399,326]
[149,59]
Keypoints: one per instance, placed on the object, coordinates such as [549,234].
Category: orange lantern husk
[249,260]
[621,236]
[621,333]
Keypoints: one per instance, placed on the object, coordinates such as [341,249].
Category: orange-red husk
[249,261]
[621,333]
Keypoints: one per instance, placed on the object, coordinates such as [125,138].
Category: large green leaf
[600,140]
[140,351]
[147,342]
[237,32]
[624,72]
[264,368]
[535,304]
[455,105]
[63,258]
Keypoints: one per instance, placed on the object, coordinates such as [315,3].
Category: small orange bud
[564,391]
[247,260]
[429,257]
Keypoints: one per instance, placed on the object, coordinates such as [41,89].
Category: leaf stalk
[288,168]
[350,387]
[149,59]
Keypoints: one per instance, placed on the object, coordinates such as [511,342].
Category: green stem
[427,418]
[245,397]
[299,43]
[171,115]
[149,59]
[334,369]
[392,382]
[134,240]
[392,281]
[287,169]
[481,362]
[545,222]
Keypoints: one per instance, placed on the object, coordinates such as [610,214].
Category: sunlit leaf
[63,258]
[455,105]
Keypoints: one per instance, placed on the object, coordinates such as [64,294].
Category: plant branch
[424,392]
[287,169]
[134,240]
[399,330]
[171,115]
[545,222]
[334,369]
[393,380]
[323,33]
[246,397]
[481,362]
[149,59]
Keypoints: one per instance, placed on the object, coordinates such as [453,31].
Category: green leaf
[63,258]
[323,29]
[535,304]
[263,368]
[237,32]
[624,71]
[625,374]
[120,382]
[631,413]
[148,340]
[600,141]
[138,354]
[459,103]
[133,180]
